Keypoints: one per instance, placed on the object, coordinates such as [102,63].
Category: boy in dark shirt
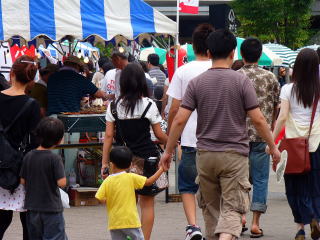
[42,173]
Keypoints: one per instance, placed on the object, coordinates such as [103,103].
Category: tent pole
[177,37]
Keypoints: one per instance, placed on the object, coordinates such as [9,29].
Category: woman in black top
[11,101]
[135,114]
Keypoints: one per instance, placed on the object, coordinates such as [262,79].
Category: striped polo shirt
[222,98]
[66,88]
[155,72]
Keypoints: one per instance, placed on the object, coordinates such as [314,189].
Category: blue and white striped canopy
[313,47]
[80,19]
[288,55]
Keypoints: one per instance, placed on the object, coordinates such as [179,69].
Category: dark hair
[144,66]
[305,77]
[133,86]
[122,55]
[90,66]
[318,52]
[153,59]
[121,157]
[102,61]
[199,37]
[237,65]
[25,69]
[221,43]
[49,132]
[251,50]
[107,67]
[49,69]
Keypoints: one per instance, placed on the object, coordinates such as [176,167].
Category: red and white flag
[189,6]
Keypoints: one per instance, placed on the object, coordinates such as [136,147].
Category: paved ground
[86,223]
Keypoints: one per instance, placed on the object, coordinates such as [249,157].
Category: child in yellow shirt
[118,191]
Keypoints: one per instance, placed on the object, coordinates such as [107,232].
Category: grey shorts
[123,234]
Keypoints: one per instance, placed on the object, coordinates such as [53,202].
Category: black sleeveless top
[135,133]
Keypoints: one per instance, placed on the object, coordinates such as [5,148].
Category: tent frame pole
[177,37]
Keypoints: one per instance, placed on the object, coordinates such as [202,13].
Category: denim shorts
[187,171]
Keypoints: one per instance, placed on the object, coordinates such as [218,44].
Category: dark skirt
[303,192]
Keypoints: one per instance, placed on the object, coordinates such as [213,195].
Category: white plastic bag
[64,198]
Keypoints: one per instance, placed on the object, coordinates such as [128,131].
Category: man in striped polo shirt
[155,72]
[223,99]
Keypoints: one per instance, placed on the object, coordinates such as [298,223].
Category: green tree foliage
[105,51]
[283,21]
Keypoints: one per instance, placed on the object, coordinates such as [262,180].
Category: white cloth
[298,122]
[152,115]
[177,88]
[117,83]
[299,114]
[13,201]
[108,82]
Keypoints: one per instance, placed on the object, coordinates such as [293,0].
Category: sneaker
[193,233]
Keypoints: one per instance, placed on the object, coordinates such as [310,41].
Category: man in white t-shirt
[108,82]
[187,167]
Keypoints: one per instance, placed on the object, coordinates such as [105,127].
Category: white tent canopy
[80,19]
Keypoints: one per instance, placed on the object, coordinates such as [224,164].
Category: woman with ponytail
[12,100]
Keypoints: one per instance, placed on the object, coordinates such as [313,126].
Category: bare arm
[283,116]
[173,112]
[178,125]
[154,177]
[103,95]
[164,100]
[62,182]
[22,181]
[274,117]
[107,146]
[159,133]
[264,131]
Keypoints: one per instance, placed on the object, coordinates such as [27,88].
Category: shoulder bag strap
[25,106]
[114,113]
[314,109]
[146,110]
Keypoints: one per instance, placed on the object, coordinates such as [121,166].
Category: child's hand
[164,169]
[104,172]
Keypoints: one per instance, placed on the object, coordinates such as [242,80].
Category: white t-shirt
[152,115]
[300,114]
[108,82]
[177,88]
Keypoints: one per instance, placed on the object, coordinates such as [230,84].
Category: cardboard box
[83,196]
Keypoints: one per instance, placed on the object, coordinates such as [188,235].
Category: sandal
[244,229]
[257,235]
[300,235]
[315,229]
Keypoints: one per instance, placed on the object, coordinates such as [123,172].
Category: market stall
[103,20]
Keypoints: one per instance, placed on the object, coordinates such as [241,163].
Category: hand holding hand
[165,161]
[275,153]
[104,172]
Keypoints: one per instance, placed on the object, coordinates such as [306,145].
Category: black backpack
[11,158]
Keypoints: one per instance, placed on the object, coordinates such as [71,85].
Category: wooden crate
[83,196]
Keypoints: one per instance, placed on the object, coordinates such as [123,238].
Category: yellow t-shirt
[118,190]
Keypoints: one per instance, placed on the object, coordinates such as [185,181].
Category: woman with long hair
[135,114]
[297,99]
[11,101]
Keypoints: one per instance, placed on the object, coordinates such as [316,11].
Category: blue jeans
[187,171]
[259,163]
[46,226]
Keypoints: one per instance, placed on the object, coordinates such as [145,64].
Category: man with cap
[67,87]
